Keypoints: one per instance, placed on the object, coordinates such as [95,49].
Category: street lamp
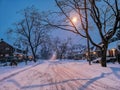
[74,19]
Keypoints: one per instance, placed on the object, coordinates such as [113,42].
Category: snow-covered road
[62,75]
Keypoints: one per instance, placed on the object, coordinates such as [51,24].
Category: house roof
[3,42]
[16,48]
[110,46]
[113,45]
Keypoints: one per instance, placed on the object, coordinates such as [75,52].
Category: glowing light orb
[54,56]
[74,19]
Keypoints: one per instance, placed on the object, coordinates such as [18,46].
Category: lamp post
[87,33]
[74,20]
[88,50]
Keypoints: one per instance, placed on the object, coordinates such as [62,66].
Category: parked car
[108,59]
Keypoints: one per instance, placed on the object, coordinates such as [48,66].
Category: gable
[5,47]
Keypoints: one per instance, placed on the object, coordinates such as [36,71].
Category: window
[119,47]
[6,55]
[1,55]
[7,48]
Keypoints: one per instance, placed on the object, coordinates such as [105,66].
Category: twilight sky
[9,15]
[9,9]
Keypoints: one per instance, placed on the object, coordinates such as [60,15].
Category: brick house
[112,51]
[7,50]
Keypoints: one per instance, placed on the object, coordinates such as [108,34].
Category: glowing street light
[74,19]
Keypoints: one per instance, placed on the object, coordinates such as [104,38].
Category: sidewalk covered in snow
[62,75]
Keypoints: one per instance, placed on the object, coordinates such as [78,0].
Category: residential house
[113,48]
[112,51]
[7,50]
[77,52]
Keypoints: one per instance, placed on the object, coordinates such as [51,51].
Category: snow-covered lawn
[60,75]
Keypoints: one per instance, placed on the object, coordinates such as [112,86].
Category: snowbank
[62,75]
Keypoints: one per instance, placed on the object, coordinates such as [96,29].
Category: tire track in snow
[18,72]
[69,73]
[45,79]
[61,78]
[93,81]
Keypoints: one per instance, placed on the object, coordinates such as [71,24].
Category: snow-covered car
[108,59]
[97,60]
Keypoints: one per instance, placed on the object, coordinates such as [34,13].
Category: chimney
[1,40]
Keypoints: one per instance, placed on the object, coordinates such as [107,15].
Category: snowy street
[62,75]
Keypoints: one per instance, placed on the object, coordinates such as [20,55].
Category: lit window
[6,55]
[7,48]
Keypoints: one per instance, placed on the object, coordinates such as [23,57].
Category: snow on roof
[110,46]
[113,45]
[94,48]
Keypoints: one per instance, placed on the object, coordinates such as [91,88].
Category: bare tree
[118,33]
[70,9]
[60,46]
[46,49]
[30,30]
[106,19]
[63,48]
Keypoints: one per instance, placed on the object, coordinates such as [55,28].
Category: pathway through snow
[64,75]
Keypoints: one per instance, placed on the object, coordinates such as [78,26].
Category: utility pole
[87,36]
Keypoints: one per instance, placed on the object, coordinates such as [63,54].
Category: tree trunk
[32,49]
[61,56]
[34,55]
[103,55]
[89,54]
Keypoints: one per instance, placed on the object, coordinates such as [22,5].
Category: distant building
[112,51]
[113,48]
[77,52]
[7,50]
